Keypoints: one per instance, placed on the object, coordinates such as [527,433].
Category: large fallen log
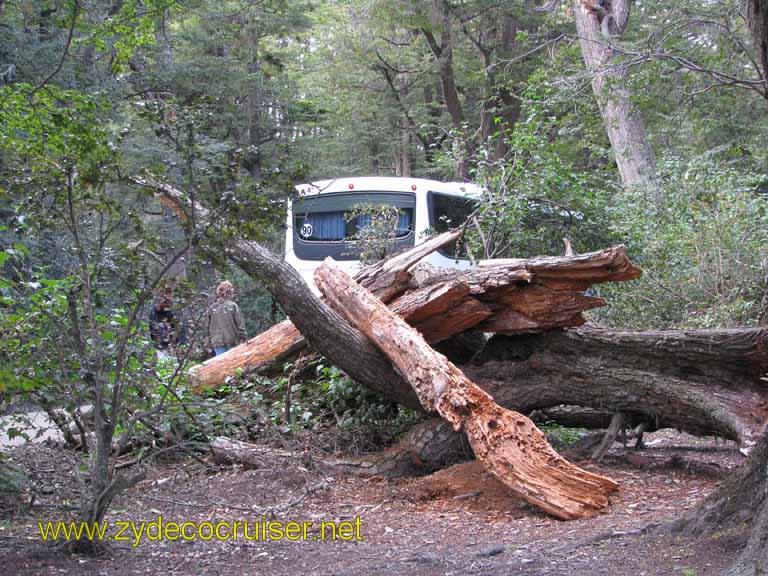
[325,330]
[507,296]
[386,279]
[705,382]
[506,442]
[524,374]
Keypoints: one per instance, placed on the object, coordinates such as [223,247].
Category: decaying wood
[428,446]
[614,428]
[385,279]
[273,345]
[250,456]
[325,330]
[705,382]
[508,296]
[506,442]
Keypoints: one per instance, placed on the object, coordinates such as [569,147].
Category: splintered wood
[506,442]
[504,296]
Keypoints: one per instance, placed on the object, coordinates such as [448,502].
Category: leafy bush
[329,399]
[704,253]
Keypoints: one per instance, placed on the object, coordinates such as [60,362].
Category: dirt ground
[458,521]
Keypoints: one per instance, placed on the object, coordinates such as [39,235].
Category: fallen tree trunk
[507,443]
[428,446]
[249,456]
[507,296]
[324,329]
[643,375]
[705,382]
[385,279]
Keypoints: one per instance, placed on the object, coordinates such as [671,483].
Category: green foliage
[704,254]
[233,101]
[331,398]
[561,436]
[542,193]
[376,236]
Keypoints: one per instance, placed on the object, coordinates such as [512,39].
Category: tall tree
[597,23]
[757,20]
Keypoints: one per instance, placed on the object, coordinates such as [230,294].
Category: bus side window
[446,212]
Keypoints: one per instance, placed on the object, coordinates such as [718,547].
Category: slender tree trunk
[164,46]
[443,53]
[403,149]
[623,122]
[757,20]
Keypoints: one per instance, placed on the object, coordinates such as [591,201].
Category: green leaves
[55,130]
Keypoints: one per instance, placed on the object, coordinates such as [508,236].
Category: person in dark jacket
[162,325]
[226,327]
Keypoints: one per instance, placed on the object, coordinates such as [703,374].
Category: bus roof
[388,184]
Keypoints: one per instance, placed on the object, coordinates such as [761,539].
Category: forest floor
[457,521]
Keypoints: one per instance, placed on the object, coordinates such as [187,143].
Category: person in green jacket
[226,327]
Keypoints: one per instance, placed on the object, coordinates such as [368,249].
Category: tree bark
[742,500]
[757,20]
[386,279]
[428,446]
[442,51]
[623,123]
[616,426]
[509,296]
[705,382]
[507,443]
[325,330]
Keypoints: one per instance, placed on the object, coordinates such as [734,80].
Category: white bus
[319,224]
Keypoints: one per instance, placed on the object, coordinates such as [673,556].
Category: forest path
[459,520]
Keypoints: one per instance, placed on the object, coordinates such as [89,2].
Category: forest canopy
[595,122]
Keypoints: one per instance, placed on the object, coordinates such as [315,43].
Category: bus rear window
[328,224]
[338,225]
[447,211]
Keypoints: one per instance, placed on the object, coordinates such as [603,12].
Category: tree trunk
[753,560]
[742,500]
[623,123]
[443,53]
[704,382]
[614,428]
[757,20]
[507,443]
[324,329]
[428,446]
[509,296]
[386,279]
